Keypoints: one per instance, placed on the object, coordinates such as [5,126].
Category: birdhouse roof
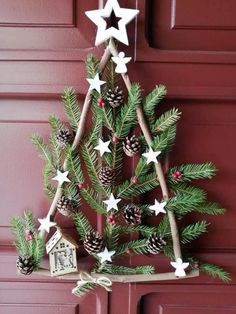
[57,236]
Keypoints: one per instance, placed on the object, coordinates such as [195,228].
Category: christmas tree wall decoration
[101,185]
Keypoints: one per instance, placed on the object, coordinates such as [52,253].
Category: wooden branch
[159,171]
[123,278]
[79,134]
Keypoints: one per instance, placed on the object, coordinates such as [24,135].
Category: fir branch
[112,78]
[82,290]
[37,250]
[123,270]
[73,165]
[18,231]
[164,226]
[117,158]
[168,251]
[82,224]
[91,197]
[56,151]
[215,271]
[166,120]
[152,99]
[193,231]
[43,148]
[29,220]
[111,236]
[71,107]
[192,171]
[127,118]
[129,189]
[108,118]
[70,190]
[55,123]
[137,247]
[48,173]
[146,231]
[50,191]
[210,209]
[92,65]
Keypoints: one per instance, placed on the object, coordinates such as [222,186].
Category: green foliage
[192,171]
[92,65]
[146,231]
[127,118]
[111,236]
[91,197]
[211,209]
[82,290]
[56,151]
[112,78]
[34,247]
[166,120]
[71,107]
[55,123]
[193,231]
[137,247]
[153,99]
[50,191]
[82,224]
[123,270]
[215,271]
[70,190]
[73,165]
[43,148]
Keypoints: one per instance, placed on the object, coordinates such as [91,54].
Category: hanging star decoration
[46,224]
[180,267]
[96,83]
[112,202]
[121,62]
[103,147]
[158,207]
[61,177]
[106,255]
[103,33]
[151,156]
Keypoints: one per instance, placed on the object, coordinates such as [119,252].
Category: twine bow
[85,278]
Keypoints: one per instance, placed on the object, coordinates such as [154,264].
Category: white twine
[85,278]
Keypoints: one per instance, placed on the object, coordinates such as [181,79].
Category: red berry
[115,140]
[101,102]
[111,219]
[135,180]
[128,251]
[80,185]
[177,175]
[29,235]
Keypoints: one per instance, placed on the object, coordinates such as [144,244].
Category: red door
[187,45]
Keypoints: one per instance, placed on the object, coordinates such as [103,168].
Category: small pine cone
[131,146]
[25,264]
[64,206]
[93,242]
[132,214]
[106,176]
[115,97]
[155,243]
[63,137]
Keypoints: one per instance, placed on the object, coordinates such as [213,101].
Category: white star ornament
[151,156]
[104,33]
[103,147]
[158,207]
[46,224]
[106,255]
[121,62]
[112,202]
[61,177]
[96,83]
[180,267]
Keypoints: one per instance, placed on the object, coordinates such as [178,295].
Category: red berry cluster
[111,219]
[135,180]
[101,102]
[80,185]
[177,174]
[29,235]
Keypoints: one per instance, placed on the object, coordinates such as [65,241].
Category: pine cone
[115,97]
[106,176]
[131,146]
[132,214]
[155,243]
[63,137]
[25,264]
[64,206]
[93,242]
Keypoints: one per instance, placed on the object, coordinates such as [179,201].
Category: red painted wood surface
[187,45]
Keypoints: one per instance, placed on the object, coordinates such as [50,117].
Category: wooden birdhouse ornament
[62,254]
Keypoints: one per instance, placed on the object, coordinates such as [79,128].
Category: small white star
[158,207]
[46,224]
[61,177]
[106,255]
[104,33]
[96,83]
[151,155]
[103,147]
[112,202]
[180,267]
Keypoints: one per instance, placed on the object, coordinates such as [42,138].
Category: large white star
[158,207]
[151,155]
[103,34]
[112,202]
[103,147]
[180,267]
[46,224]
[106,255]
[61,177]
[96,83]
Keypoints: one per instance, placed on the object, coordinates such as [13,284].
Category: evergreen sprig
[91,197]
[71,107]
[210,209]
[111,236]
[215,271]
[166,120]
[153,99]
[193,231]
[55,123]
[92,65]
[43,148]
[137,247]
[123,270]
[82,224]
[73,165]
